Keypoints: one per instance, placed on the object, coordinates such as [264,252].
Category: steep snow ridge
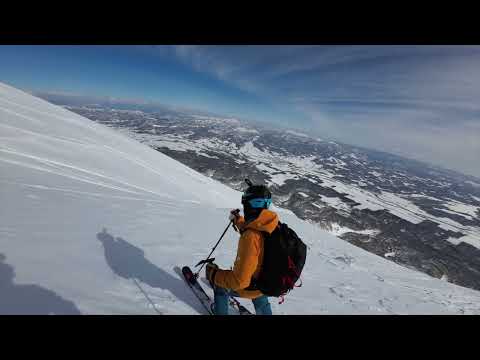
[277,146]
[92,220]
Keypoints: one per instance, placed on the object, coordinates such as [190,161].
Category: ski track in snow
[82,179]
[97,223]
[166,203]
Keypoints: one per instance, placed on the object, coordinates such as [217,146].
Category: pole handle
[236,212]
[205,261]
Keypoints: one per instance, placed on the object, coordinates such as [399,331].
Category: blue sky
[422,102]
[129,72]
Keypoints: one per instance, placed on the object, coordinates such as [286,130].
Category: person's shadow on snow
[29,299]
[129,262]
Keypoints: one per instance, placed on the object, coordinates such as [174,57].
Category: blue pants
[221,295]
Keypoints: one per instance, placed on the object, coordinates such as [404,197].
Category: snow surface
[297,133]
[246,130]
[424,197]
[463,209]
[337,230]
[280,178]
[455,213]
[334,202]
[469,239]
[94,222]
[472,183]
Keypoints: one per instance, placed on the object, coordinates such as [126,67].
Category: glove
[210,272]
[234,215]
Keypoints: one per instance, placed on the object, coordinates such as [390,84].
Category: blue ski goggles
[260,203]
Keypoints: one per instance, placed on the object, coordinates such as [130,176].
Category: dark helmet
[256,196]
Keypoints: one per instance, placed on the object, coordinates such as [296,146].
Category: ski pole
[203,262]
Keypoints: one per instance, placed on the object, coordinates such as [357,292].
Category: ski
[203,296]
[197,289]
[242,310]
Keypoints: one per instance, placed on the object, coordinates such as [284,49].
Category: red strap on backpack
[287,280]
[291,266]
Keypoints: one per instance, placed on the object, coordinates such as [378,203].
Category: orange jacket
[249,255]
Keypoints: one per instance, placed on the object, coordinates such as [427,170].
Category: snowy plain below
[93,222]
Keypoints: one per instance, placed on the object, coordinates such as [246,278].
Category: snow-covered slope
[94,222]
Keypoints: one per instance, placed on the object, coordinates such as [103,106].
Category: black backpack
[283,260]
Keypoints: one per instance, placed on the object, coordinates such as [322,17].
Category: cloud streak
[423,100]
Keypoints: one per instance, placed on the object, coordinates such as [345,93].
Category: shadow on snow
[129,262]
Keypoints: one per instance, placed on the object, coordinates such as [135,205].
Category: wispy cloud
[423,100]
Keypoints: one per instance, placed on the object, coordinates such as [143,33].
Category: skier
[238,282]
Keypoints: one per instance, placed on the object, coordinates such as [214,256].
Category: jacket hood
[267,221]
